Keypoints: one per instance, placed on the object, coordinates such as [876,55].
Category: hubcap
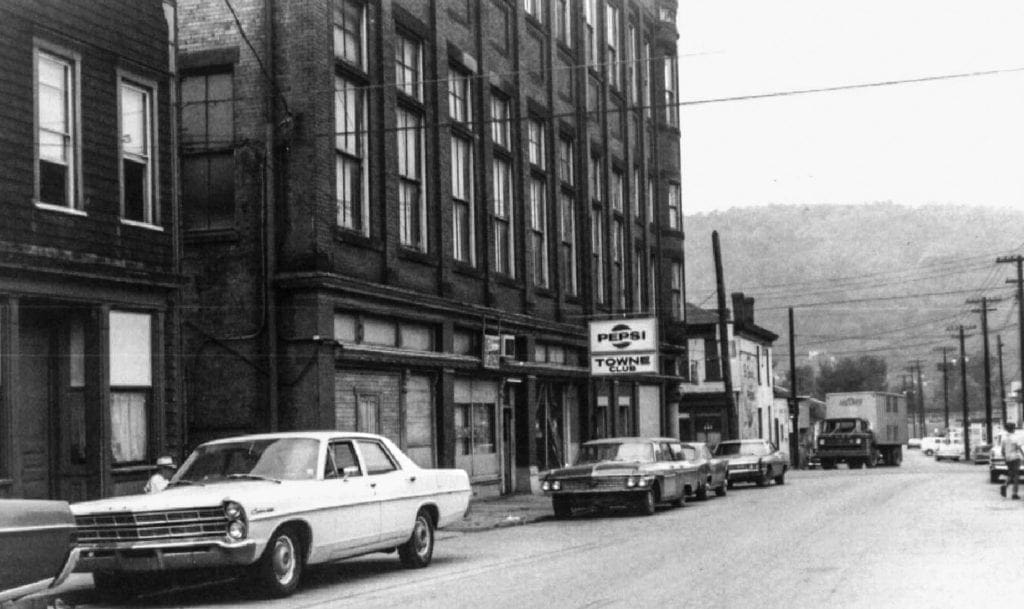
[284,560]
[421,537]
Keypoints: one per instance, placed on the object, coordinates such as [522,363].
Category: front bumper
[746,474]
[839,454]
[42,585]
[600,498]
[157,556]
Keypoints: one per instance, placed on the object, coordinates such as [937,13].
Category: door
[356,520]
[398,491]
[34,407]
[508,447]
[708,429]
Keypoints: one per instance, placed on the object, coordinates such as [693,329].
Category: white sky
[955,141]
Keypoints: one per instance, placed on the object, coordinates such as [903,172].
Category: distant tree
[864,373]
[806,381]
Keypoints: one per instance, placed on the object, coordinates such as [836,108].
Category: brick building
[88,259]
[400,215]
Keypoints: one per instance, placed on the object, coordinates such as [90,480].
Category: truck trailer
[862,428]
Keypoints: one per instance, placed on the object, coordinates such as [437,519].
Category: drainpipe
[270,203]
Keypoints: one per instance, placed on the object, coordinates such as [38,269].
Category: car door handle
[373,485]
[412,478]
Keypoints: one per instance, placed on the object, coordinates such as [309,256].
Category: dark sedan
[714,471]
[632,472]
[36,546]
[757,461]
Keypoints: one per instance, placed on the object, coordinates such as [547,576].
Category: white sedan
[272,504]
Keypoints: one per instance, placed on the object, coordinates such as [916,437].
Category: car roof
[311,435]
[751,441]
[620,439]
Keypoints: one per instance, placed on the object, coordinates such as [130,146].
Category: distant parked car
[271,504]
[758,461]
[714,471]
[929,444]
[37,548]
[631,472]
[914,443]
[981,453]
[949,449]
[996,462]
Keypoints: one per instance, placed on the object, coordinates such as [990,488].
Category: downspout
[270,204]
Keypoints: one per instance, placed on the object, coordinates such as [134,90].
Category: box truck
[862,428]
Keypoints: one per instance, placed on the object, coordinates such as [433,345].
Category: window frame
[503,196]
[151,204]
[72,136]
[411,89]
[412,216]
[339,54]
[145,387]
[207,149]
[348,218]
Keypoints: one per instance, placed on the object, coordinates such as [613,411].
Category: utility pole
[918,404]
[963,380]
[988,368]
[1002,382]
[945,385]
[1019,260]
[723,340]
[794,402]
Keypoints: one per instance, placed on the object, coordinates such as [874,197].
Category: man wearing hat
[164,471]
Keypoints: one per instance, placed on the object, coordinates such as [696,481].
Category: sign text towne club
[624,346]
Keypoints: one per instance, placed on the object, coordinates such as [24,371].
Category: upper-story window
[667,14]
[613,23]
[616,192]
[351,167]
[645,78]
[207,154]
[597,252]
[412,218]
[671,95]
[594,173]
[676,289]
[535,143]
[350,32]
[590,9]
[675,215]
[138,190]
[650,200]
[563,21]
[459,98]
[409,67]
[634,195]
[462,199]
[536,9]
[538,232]
[501,117]
[57,155]
[565,161]
[631,72]
[503,225]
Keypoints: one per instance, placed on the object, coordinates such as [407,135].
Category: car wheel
[702,492]
[646,506]
[730,484]
[929,452]
[280,568]
[419,549]
[993,477]
[561,507]
[764,478]
[720,491]
[781,478]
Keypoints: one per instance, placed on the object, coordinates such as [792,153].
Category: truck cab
[846,440]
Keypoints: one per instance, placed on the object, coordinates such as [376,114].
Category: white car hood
[184,497]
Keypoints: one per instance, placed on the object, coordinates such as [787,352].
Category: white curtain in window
[128,432]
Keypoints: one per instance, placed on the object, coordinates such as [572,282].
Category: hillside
[882,278]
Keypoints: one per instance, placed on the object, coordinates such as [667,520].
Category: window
[597,252]
[712,360]
[171,19]
[593,97]
[638,277]
[462,199]
[350,32]
[590,8]
[594,173]
[475,431]
[645,78]
[632,86]
[538,234]
[619,263]
[567,238]
[535,143]
[671,109]
[613,30]
[563,21]
[207,155]
[367,330]
[131,380]
[504,241]
[57,155]
[677,290]
[536,9]
[501,38]
[650,200]
[342,455]
[409,67]
[634,195]
[565,161]
[675,216]
[459,103]
[376,458]
[350,156]
[501,117]
[412,218]
[616,192]
[667,14]
[138,190]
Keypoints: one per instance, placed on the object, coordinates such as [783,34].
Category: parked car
[631,472]
[949,449]
[981,453]
[914,443]
[996,463]
[37,549]
[714,471]
[758,461]
[271,504]
[929,444]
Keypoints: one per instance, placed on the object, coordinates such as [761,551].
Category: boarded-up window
[419,420]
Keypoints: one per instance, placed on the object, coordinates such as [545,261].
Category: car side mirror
[351,470]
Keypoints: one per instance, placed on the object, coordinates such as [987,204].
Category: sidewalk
[508,510]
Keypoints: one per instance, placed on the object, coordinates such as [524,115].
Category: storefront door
[476,429]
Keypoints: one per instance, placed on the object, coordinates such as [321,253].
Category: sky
[953,141]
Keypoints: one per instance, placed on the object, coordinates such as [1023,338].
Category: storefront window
[131,379]
[476,432]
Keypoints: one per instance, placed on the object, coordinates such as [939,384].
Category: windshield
[743,449]
[609,451]
[840,426]
[272,458]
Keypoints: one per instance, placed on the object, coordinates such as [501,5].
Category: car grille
[201,523]
[838,442]
[594,484]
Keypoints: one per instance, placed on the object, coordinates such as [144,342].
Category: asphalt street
[923,535]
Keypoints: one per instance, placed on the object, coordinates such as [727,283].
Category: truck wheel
[279,569]
[897,456]
[561,507]
[702,492]
[871,461]
[419,549]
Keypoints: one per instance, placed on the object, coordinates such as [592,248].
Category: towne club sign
[624,346]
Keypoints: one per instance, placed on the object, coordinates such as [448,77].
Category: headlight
[545,486]
[236,530]
[233,511]
[641,482]
[630,482]
[856,441]
[821,441]
[556,485]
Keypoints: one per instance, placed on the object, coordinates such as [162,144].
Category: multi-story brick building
[88,259]
[400,216]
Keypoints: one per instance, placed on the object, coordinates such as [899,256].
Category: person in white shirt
[164,470]
[1012,453]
